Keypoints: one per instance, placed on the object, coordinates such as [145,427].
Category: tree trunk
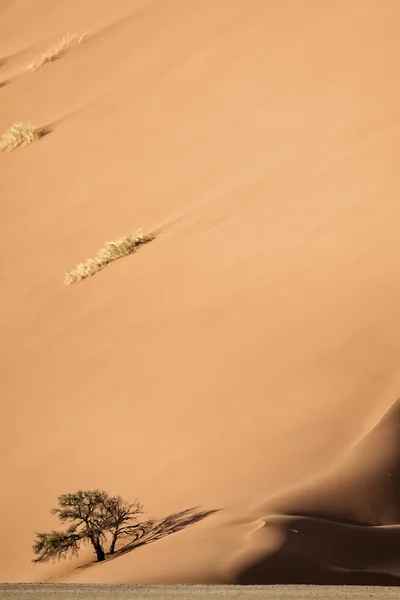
[99,550]
[113,542]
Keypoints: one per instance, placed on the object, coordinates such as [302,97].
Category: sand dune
[247,360]
[343,528]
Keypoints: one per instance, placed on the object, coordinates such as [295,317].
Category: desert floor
[183,592]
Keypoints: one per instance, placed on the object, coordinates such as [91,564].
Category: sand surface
[247,360]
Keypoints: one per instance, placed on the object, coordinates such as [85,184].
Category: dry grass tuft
[19,134]
[55,51]
[111,251]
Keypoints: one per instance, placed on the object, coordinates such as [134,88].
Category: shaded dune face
[325,552]
[344,528]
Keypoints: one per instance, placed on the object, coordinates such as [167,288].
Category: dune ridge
[343,528]
[247,363]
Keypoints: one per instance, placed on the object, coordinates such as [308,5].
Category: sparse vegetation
[94,518]
[100,520]
[55,51]
[111,251]
[19,134]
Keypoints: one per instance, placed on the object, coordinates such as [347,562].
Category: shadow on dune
[153,530]
[5,60]
[120,23]
[343,529]
[46,130]
[171,524]
[327,553]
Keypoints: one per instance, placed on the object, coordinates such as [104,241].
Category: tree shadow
[155,529]
[171,524]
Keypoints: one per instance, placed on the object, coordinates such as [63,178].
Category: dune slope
[237,362]
[343,527]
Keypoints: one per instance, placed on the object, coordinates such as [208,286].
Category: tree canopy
[94,518]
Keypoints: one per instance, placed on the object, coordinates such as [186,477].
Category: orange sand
[242,360]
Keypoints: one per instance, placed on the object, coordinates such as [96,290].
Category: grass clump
[19,134]
[111,251]
[54,52]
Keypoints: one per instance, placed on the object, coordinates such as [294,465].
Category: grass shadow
[46,130]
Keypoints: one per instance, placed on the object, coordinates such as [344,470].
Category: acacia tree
[94,517]
[120,516]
